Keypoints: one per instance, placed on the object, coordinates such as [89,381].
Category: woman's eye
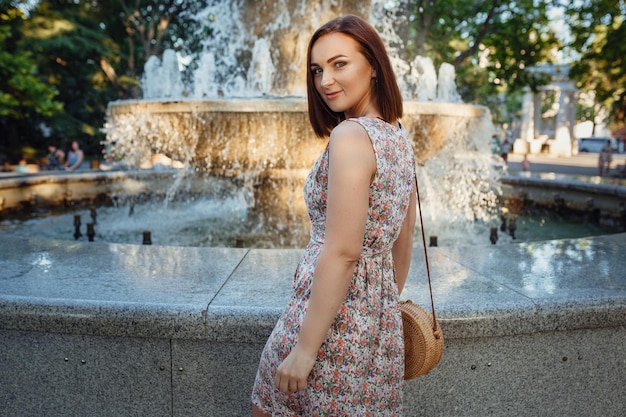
[340,64]
[316,71]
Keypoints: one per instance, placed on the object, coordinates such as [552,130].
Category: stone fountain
[89,328]
[244,115]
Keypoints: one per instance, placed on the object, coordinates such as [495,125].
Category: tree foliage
[23,91]
[491,43]
[91,52]
[511,35]
[78,55]
[151,26]
[598,32]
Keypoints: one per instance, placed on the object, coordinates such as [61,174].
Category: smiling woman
[364,54]
[337,348]
[343,77]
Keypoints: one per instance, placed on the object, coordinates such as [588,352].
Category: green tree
[490,43]
[24,93]
[508,35]
[77,55]
[598,33]
[91,52]
[152,26]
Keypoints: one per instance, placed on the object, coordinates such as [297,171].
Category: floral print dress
[360,366]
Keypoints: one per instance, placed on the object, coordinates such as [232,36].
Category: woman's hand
[293,372]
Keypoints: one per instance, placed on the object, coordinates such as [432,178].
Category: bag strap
[430,287]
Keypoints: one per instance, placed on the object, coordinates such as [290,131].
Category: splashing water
[162,79]
[460,187]
[258,49]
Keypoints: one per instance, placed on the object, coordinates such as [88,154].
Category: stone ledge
[534,329]
[236,294]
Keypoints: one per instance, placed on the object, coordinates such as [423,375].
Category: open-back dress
[360,366]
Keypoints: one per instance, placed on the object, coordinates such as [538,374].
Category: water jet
[91,232]
[77,233]
[493,235]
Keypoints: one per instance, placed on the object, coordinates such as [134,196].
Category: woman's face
[342,75]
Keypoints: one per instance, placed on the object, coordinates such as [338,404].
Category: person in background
[495,144]
[525,163]
[505,148]
[605,158]
[337,348]
[620,136]
[56,158]
[22,166]
[74,157]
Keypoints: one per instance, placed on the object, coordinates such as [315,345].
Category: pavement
[585,163]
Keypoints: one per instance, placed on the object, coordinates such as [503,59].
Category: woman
[337,349]
[74,157]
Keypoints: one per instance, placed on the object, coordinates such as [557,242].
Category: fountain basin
[231,136]
[266,144]
[116,329]
[561,193]
[600,206]
[112,329]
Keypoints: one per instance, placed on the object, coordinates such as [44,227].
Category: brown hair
[385,91]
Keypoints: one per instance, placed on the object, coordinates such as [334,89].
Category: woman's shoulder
[350,128]
[350,138]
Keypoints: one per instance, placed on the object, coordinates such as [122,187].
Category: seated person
[74,157]
[56,158]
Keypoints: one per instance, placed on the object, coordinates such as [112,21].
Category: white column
[564,134]
[537,113]
[527,128]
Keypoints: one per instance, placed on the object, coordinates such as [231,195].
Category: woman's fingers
[288,384]
[292,373]
[300,386]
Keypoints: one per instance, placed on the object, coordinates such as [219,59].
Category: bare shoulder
[350,133]
[350,144]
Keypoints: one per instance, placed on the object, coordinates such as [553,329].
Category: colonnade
[552,130]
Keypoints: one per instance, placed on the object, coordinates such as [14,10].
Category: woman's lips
[333,95]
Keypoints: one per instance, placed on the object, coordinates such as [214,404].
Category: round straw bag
[423,346]
[423,338]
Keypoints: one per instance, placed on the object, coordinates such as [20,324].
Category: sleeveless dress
[360,366]
[72,158]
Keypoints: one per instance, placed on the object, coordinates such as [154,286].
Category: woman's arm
[351,169]
[403,246]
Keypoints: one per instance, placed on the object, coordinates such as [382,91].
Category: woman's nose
[327,79]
